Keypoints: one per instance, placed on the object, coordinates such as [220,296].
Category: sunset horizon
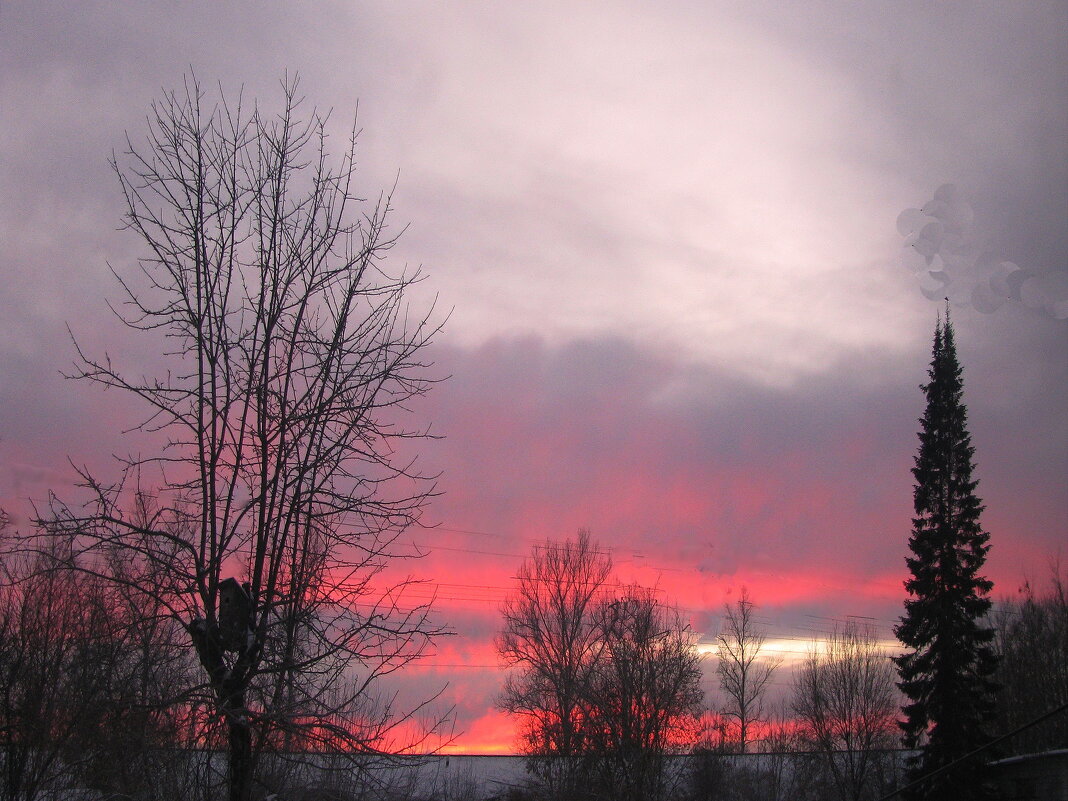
[678,270]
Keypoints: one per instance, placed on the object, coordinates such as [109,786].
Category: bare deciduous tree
[290,353]
[550,635]
[604,686]
[844,697]
[82,682]
[45,684]
[1032,644]
[645,695]
[129,741]
[744,671]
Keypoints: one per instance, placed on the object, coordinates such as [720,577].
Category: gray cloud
[635,186]
[701,178]
[646,449]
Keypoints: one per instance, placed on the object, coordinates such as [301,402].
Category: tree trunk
[240,758]
[230,691]
[240,736]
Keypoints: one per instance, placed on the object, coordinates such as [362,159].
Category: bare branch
[290,357]
[744,670]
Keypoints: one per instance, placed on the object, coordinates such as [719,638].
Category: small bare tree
[82,683]
[550,635]
[604,686]
[289,354]
[744,671]
[46,682]
[645,695]
[1032,645]
[845,699]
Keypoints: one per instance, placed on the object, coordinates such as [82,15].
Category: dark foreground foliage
[946,673]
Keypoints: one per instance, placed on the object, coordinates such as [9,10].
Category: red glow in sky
[667,239]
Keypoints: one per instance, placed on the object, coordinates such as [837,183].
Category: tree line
[606,688]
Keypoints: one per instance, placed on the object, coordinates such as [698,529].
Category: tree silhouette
[845,702]
[289,354]
[551,636]
[604,686]
[1032,646]
[644,697]
[946,673]
[744,672]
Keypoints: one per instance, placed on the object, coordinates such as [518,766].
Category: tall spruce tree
[946,673]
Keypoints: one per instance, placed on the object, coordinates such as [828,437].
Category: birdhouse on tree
[235,613]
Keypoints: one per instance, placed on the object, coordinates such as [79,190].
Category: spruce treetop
[946,673]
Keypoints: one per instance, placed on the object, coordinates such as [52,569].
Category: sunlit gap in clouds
[791,652]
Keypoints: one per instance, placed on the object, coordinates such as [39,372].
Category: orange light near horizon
[493,733]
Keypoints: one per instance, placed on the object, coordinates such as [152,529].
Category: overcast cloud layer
[667,234]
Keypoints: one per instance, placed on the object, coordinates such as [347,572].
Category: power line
[938,771]
[462,531]
[612,550]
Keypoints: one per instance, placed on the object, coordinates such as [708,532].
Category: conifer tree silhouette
[946,672]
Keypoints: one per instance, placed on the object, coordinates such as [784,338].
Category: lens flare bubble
[960,215]
[930,239]
[935,208]
[950,261]
[933,281]
[1031,293]
[959,293]
[986,267]
[934,231]
[957,263]
[927,247]
[1015,281]
[1057,284]
[953,242]
[932,294]
[984,299]
[912,259]
[999,281]
[1044,289]
[910,220]
[946,193]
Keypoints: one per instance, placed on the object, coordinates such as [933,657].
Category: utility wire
[938,771]
[606,550]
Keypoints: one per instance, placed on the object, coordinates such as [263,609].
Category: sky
[686,251]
